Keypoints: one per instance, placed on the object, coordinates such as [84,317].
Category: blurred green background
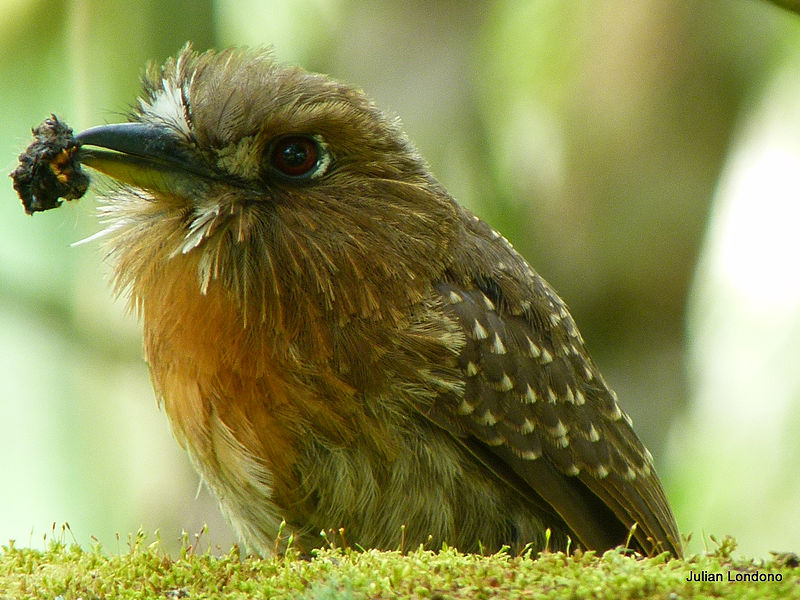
[644,156]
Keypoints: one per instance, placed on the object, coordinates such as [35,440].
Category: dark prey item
[49,168]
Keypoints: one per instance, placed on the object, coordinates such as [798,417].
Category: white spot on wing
[535,351]
[616,413]
[465,408]
[528,454]
[530,395]
[569,396]
[497,345]
[454,297]
[487,419]
[487,303]
[559,430]
[505,383]
[496,440]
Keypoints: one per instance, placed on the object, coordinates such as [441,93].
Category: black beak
[143,155]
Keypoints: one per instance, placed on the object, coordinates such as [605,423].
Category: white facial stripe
[168,106]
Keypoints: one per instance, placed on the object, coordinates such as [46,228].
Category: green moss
[67,571]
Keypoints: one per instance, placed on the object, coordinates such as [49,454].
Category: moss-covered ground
[67,571]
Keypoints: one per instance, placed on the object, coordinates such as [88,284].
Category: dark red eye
[296,156]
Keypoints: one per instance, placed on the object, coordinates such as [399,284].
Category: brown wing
[535,400]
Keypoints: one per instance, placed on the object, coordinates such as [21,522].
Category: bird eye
[298,157]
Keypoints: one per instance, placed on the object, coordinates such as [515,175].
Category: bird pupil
[295,155]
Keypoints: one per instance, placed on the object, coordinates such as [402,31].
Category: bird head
[266,179]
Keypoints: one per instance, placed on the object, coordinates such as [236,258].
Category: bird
[338,344]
